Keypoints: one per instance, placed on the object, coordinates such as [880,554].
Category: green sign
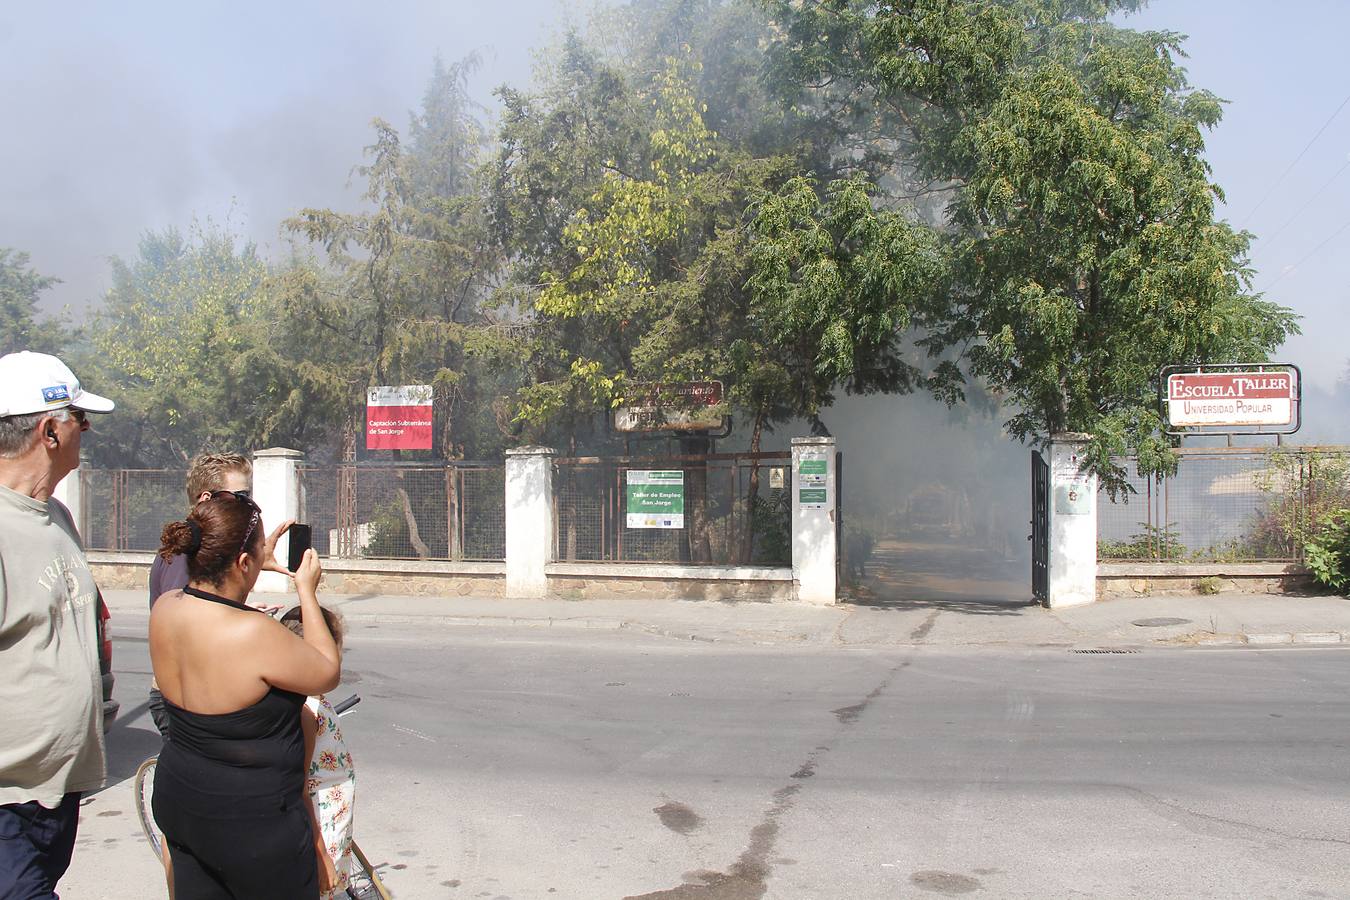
[813,467]
[655,499]
[812,495]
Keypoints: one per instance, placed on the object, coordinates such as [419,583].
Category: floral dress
[332,786]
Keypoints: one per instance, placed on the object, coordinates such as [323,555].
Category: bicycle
[365,883]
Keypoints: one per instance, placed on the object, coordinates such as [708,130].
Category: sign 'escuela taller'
[1259,397]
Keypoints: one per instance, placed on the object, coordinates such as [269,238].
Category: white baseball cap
[36,382]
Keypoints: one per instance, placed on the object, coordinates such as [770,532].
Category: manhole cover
[1160,622]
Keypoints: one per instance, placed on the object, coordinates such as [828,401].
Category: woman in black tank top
[230,780]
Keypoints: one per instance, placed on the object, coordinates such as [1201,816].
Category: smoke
[940,497]
[125,118]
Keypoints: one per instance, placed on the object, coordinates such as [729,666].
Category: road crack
[747,878]
[1210,823]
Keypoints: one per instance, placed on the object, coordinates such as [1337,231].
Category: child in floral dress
[331,779]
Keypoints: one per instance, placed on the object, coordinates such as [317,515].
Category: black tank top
[247,762]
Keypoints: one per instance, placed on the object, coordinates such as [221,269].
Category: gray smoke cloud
[128,118]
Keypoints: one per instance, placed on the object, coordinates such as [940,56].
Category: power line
[1277,181]
[1316,195]
[1311,253]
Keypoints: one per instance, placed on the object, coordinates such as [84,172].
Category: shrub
[1328,553]
[1154,542]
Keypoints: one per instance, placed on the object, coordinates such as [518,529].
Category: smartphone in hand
[301,540]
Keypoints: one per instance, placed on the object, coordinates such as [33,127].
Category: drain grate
[1103,650]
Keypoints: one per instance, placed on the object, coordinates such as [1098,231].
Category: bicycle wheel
[365,882]
[145,788]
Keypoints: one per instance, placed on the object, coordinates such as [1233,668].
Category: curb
[1275,638]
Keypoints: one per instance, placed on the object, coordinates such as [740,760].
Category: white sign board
[1266,399]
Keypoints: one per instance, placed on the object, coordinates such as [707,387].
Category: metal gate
[1040,527]
[840,543]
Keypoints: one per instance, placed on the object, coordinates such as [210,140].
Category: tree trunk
[453,514]
[752,494]
[414,534]
[696,501]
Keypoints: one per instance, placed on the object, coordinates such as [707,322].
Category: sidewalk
[1223,619]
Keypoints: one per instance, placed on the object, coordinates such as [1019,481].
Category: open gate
[1040,527]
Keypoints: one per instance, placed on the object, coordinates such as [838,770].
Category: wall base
[442,578]
[1173,579]
[579,581]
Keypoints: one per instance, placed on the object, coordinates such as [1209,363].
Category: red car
[110,706]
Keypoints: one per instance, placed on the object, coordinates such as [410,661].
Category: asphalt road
[518,763]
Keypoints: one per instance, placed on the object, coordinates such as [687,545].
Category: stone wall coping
[121,557]
[531,451]
[274,452]
[415,566]
[333,564]
[1198,570]
[667,571]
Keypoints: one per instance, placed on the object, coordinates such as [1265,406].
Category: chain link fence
[126,509]
[455,512]
[446,512]
[734,509]
[1222,505]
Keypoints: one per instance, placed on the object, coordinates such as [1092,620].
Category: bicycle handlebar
[347,704]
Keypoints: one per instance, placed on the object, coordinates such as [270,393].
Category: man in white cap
[51,740]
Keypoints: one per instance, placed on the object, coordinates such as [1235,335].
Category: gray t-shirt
[51,694]
[167,576]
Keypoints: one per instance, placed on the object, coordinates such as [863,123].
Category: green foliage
[1079,220]
[21,327]
[388,533]
[773,530]
[1327,553]
[180,342]
[1153,542]
[624,214]
[1303,490]
[1208,586]
[401,295]
[840,277]
[1003,202]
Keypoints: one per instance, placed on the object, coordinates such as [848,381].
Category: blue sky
[1283,69]
[127,117]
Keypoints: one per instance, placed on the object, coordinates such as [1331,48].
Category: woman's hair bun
[180,538]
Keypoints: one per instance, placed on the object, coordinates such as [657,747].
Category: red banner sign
[399,417]
[1232,398]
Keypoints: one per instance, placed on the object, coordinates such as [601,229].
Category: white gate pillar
[70,491]
[278,492]
[529,520]
[1073,524]
[814,520]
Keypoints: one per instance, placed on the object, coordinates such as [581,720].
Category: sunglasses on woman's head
[253,520]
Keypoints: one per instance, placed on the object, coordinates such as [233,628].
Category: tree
[405,281]
[183,341]
[626,217]
[1079,217]
[21,327]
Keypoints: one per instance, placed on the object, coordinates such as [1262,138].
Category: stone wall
[569,581]
[121,571]
[1171,579]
